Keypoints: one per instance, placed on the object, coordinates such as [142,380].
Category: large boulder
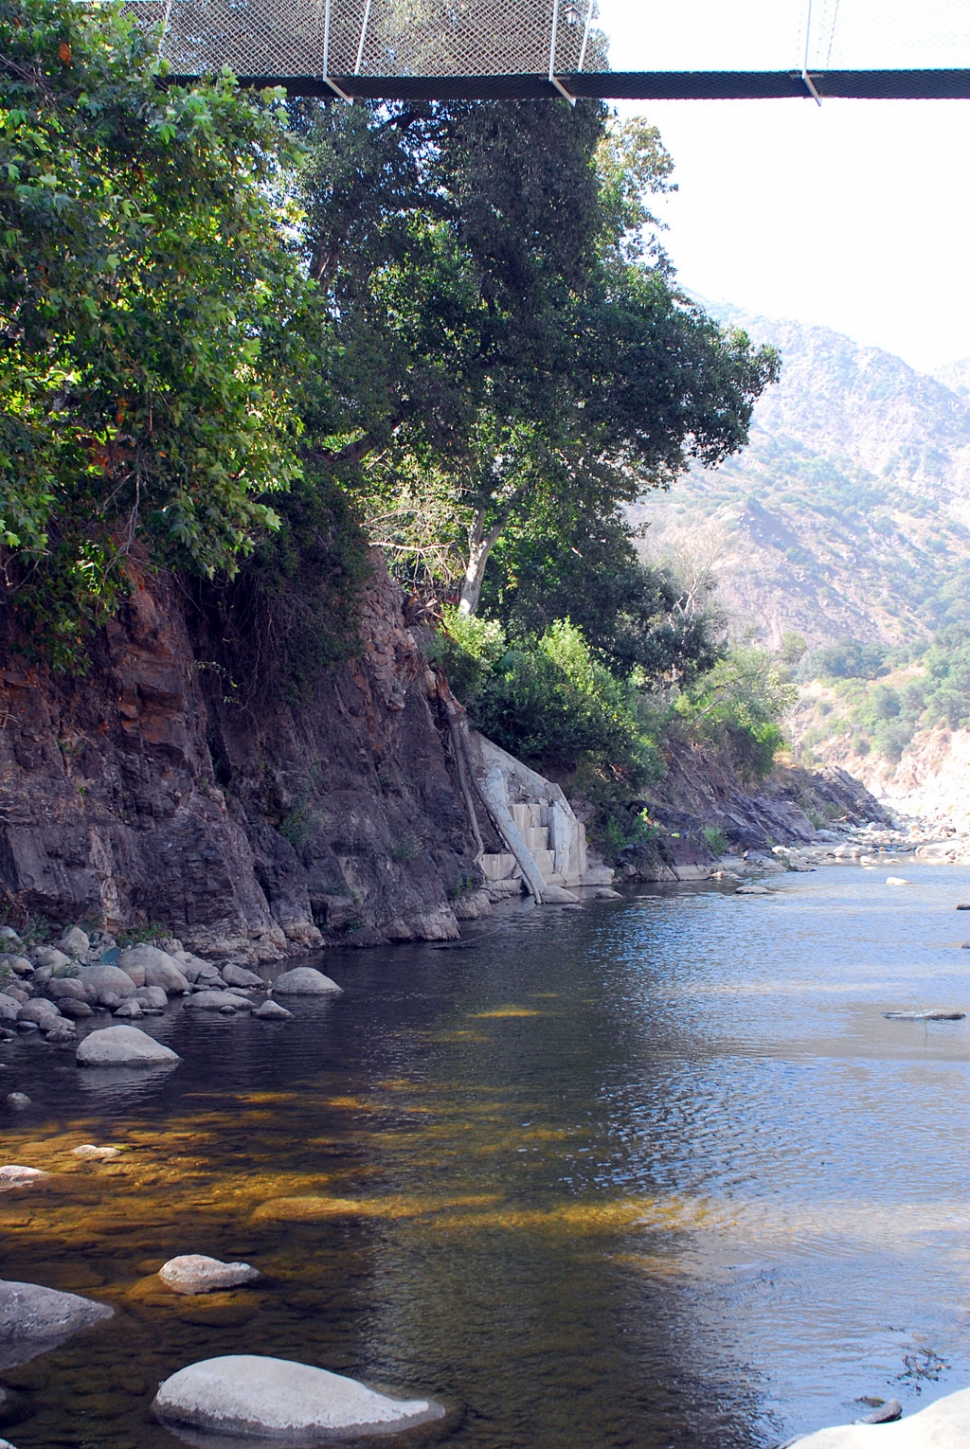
[122,1046]
[106,985]
[943,1425]
[148,966]
[33,1319]
[9,1007]
[305,981]
[268,1397]
[195,1273]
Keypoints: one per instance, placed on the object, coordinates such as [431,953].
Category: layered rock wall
[147,794]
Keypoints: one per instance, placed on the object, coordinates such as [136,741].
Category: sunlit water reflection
[653,1173]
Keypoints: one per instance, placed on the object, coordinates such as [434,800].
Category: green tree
[154,316]
[507,346]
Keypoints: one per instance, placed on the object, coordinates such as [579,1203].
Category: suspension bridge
[612,49]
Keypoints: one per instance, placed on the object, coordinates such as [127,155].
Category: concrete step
[498,865]
[536,837]
[545,862]
[528,816]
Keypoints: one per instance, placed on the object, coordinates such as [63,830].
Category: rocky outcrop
[146,793]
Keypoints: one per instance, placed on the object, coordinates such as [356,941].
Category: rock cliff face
[143,794]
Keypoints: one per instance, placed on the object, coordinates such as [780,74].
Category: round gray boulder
[33,1318]
[122,1046]
[268,1397]
[305,981]
[148,966]
[195,1273]
[106,985]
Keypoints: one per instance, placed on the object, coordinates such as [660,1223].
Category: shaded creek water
[651,1173]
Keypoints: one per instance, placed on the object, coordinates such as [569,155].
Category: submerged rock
[896,880]
[33,1318]
[943,1425]
[16,1101]
[219,1001]
[753,890]
[195,1273]
[122,1046]
[305,981]
[89,1152]
[935,1015]
[13,1175]
[266,1397]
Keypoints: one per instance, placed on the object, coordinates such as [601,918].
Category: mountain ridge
[850,507]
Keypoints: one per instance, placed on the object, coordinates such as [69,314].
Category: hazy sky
[853,214]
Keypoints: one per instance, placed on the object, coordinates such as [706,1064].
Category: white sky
[852,214]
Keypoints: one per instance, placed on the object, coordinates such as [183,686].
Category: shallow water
[651,1173]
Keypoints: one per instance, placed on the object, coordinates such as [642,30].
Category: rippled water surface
[651,1173]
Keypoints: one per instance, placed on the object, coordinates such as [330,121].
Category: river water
[656,1172]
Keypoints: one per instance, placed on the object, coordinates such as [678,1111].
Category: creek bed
[652,1173]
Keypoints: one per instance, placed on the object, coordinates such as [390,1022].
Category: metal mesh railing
[525,47]
[378,38]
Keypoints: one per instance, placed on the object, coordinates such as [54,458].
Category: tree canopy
[511,343]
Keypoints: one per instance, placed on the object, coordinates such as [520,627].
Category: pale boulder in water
[305,981]
[195,1273]
[123,1046]
[943,1425]
[269,1397]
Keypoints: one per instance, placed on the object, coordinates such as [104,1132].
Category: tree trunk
[480,545]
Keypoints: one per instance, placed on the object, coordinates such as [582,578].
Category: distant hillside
[850,509]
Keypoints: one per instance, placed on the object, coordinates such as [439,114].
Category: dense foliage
[154,317]
[875,699]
